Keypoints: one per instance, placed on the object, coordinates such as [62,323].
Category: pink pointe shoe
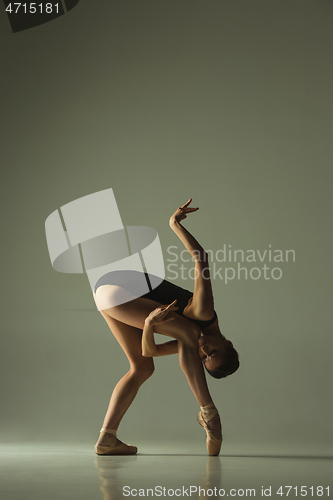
[109,444]
[205,415]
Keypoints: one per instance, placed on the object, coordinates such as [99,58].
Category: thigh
[129,339]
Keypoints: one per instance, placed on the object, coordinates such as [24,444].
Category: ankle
[209,406]
[109,431]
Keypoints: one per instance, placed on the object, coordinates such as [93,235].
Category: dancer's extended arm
[156,317]
[202,304]
[150,349]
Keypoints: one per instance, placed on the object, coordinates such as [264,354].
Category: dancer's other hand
[160,314]
[181,212]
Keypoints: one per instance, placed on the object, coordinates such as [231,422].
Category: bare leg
[141,369]
[191,365]
[134,314]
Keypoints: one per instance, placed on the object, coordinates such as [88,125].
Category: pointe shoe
[109,444]
[205,415]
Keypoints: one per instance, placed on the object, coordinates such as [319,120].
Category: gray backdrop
[227,102]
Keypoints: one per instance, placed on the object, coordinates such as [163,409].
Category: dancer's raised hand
[181,212]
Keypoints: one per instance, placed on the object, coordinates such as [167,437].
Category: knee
[143,370]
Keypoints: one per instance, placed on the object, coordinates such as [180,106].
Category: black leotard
[164,293]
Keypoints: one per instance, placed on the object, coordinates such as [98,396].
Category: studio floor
[55,471]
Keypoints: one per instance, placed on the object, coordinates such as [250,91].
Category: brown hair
[228,366]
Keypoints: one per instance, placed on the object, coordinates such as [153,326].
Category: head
[218,355]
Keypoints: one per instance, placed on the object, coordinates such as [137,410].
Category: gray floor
[56,471]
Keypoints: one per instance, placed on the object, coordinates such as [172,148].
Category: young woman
[189,318]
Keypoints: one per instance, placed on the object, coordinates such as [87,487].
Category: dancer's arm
[202,304]
[150,349]
[156,317]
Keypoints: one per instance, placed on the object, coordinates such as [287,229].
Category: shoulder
[207,315]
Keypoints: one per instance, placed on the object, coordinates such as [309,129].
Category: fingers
[165,309]
[184,208]
[160,314]
[166,306]
[187,203]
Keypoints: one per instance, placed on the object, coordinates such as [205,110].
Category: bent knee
[144,369]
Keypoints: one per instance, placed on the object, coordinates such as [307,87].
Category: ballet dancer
[189,318]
